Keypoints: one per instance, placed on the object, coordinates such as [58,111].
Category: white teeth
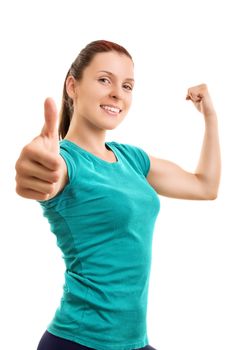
[112,109]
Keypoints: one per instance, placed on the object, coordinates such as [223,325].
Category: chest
[117,194]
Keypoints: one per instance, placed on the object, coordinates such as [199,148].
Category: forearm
[208,170]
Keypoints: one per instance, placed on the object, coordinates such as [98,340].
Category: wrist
[211,119]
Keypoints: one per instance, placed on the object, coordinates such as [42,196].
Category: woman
[101,200]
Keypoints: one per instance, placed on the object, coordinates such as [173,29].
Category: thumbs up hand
[40,170]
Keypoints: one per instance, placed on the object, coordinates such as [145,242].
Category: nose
[116,92]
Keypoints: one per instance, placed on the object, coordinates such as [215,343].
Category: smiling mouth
[111,109]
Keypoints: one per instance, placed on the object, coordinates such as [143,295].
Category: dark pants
[52,342]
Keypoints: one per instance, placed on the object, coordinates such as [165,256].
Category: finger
[37,171]
[36,185]
[50,128]
[42,156]
[30,194]
[48,161]
[195,97]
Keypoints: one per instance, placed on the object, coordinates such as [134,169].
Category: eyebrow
[110,73]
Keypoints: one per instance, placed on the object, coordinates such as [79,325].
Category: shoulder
[135,155]
[127,147]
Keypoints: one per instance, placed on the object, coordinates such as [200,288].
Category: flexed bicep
[170,180]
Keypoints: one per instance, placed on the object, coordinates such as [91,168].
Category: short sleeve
[143,159]
[137,157]
[70,163]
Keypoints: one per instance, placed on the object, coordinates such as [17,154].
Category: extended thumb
[50,128]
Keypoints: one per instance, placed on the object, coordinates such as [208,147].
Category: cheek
[90,102]
[129,102]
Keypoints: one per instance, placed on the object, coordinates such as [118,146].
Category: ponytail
[66,112]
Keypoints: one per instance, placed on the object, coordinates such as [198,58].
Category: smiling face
[104,94]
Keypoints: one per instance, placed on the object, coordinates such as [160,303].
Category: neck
[91,139]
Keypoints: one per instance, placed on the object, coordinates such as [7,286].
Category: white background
[175,45]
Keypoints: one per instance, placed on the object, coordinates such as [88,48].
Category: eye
[128,87]
[104,80]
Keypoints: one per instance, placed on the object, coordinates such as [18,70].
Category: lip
[110,105]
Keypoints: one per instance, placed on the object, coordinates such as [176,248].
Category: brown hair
[84,58]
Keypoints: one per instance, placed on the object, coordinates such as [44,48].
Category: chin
[108,127]
[111,128]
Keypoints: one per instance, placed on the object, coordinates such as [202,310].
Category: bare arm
[171,180]
[40,171]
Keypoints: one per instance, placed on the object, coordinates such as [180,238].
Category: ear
[71,87]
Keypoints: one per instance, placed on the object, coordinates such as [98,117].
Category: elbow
[211,195]
[208,189]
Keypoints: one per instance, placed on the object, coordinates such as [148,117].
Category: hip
[53,342]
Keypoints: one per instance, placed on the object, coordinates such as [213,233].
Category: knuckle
[55,176]
[39,195]
[19,190]
[42,196]
[17,179]
[21,167]
[56,164]
[18,166]
[51,188]
[27,149]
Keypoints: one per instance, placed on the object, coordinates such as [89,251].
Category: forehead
[114,62]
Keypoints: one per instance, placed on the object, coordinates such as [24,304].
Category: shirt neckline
[108,145]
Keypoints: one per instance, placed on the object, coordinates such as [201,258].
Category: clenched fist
[200,96]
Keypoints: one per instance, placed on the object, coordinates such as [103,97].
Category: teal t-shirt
[104,221]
